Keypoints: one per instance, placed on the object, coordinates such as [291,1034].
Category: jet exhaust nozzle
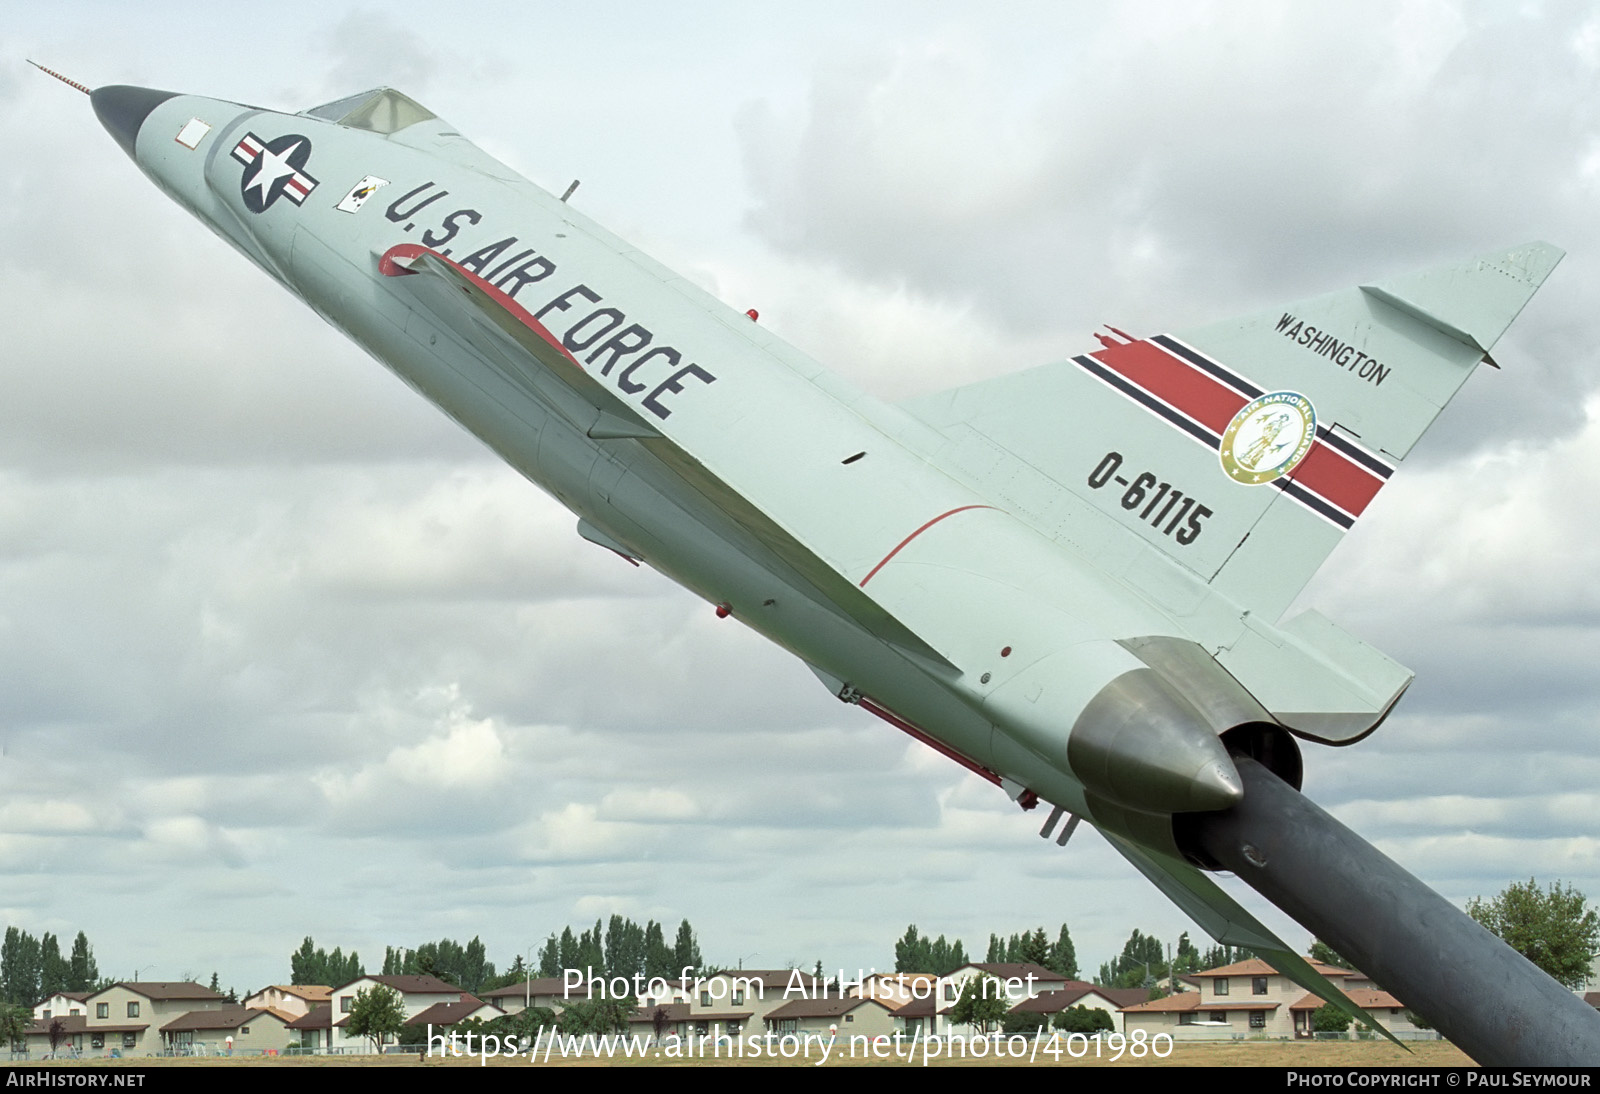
[1142,745]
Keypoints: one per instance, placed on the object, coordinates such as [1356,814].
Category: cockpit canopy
[381,110]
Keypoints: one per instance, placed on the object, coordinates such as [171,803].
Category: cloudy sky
[283,652]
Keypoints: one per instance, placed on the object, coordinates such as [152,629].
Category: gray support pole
[1477,991]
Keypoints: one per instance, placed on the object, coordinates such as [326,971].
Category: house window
[1219,1016]
[705,999]
[74,1012]
[133,1009]
[738,998]
[46,1017]
[1186,1018]
[102,1010]
[1219,986]
[1258,986]
[97,1040]
[130,1039]
[951,994]
[849,1018]
[344,1004]
[244,1030]
[1258,1019]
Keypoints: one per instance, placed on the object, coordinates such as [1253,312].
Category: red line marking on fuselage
[928,739]
[390,266]
[901,545]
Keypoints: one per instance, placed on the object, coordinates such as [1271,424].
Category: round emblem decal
[1268,437]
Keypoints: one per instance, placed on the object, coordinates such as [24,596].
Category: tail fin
[1244,450]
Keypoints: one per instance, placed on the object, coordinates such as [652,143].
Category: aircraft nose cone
[122,110]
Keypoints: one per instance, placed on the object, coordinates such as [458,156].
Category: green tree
[1141,963]
[312,965]
[1023,1023]
[598,1016]
[375,1014]
[1034,948]
[945,957]
[685,951]
[1321,951]
[1329,1019]
[983,1003]
[657,954]
[20,959]
[1187,959]
[1063,955]
[1086,1020]
[14,1019]
[550,958]
[913,952]
[83,972]
[53,968]
[1553,927]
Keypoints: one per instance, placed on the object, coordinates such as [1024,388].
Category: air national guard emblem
[273,169]
[1268,437]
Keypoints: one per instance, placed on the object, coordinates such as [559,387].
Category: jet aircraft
[1069,579]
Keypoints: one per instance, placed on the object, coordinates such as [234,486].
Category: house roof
[905,978]
[547,985]
[1257,967]
[1191,1001]
[320,1017]
[1365,998]
[217,1018]
[78,996]
[830,1007]
[925,1007]
[1053,1002]
[311,993]
[448,1014]
[165,990]
[1017,971]
[1182,1001]
[77,1023]
[769,979]
[408,985]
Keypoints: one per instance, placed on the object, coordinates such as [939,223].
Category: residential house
[550,992]
[291,1000]
[313,1030]
[929,1017]
[1252,999]
[417,994]
[898,988]
[1382,1007]
[117,1019]
[437,1019]
[1081,993]
[63,1004]
[230,1029]
[832,1016]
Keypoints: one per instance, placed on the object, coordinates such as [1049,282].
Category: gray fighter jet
[1069,579]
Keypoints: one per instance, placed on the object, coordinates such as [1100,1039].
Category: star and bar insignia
[273,169]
